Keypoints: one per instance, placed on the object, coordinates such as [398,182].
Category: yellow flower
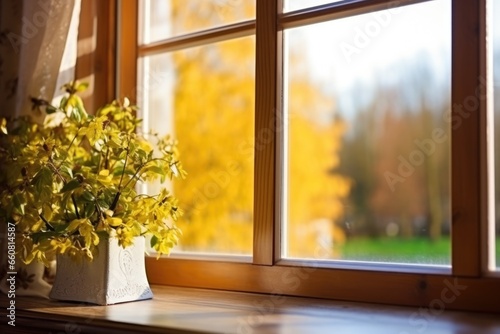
[105,178]
[115,222]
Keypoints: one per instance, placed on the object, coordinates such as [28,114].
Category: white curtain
[38,40]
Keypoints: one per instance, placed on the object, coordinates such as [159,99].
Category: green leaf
[103,235]
[78,110]
[103,204]
[79,105]
[89,210]
[118,169]
[87,196]
[157,170]
[50,110]
[40,236]
[74,225]
[42,181]
[66,169]
[71,185]
[154,240]
[44,195]
[60,227]
[64,103]
[113,143]
[18,202]
[75,116]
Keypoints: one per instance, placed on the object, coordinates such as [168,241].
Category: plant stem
[46,222]
[118,193]
[69,147]
[56,171]
[115,201]
[141,167]
[106,161]
[99,213]
[123,171]
[135,174]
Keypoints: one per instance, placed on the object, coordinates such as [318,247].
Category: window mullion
[267,80]
[467,188]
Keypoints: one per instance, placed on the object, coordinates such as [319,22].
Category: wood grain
[411,289]
[127,23]
[212,35]
[268,60]
[96,61]
[179,310]
[467,191]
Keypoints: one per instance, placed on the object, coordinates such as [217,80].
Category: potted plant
[71,184]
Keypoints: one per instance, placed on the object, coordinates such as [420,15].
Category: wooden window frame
[467,286]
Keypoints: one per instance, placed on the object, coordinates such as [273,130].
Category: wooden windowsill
[187,310]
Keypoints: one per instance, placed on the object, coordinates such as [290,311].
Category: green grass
[414,250]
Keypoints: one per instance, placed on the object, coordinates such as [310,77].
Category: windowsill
[174,310]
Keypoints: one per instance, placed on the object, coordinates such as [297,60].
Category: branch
[69,147]
[124,167]
[115,201]
[46,222]
[144,165]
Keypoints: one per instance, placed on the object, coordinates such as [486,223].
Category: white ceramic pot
[116,275]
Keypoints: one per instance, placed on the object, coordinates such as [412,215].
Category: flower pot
[116,275]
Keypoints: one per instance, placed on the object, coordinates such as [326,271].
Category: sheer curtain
[37,54]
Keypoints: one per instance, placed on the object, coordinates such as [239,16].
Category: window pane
[291,5]
[496,82]
[162,19]
[204,96]
[368,101]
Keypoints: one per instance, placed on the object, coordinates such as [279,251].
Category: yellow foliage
[214,123]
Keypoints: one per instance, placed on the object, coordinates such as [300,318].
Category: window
[367,97]
[303,97]
[196,94]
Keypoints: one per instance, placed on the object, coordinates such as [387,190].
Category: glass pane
[204,96]
[496,99]
[368,100]
[291,5]
[161,19]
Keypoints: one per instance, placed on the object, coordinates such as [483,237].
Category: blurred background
[366,125]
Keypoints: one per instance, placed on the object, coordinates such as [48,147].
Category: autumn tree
[400,173]
[213,103]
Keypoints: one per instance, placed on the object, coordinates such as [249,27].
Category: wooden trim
[423,290]
[186,310]
[241,29]
[467,190]
[127,49]
[409,268]
[281,145]
[338,10]
[97,52]
[266,83]
[488,260]
[109,7]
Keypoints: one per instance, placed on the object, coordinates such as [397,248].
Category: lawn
[415,250]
